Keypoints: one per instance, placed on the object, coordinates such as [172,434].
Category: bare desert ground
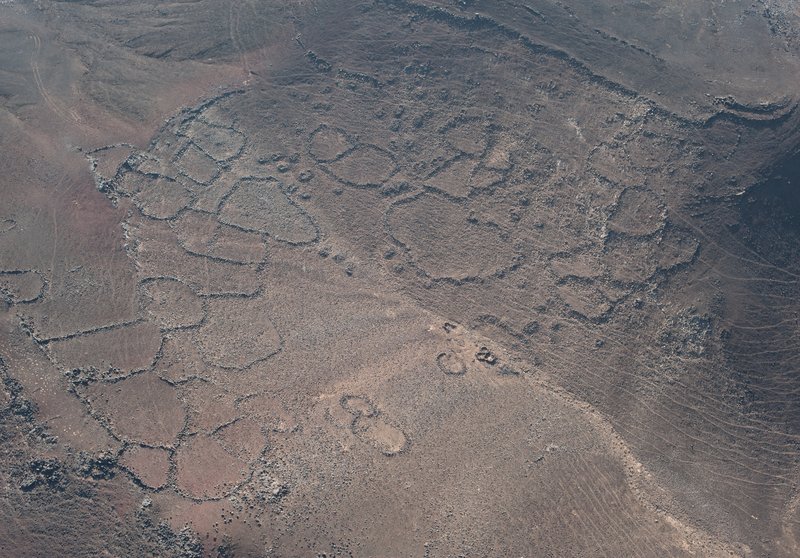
[384,278]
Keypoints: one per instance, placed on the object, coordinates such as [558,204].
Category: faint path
[234,19]
[58,108]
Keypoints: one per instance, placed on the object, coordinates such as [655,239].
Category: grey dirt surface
[383,278]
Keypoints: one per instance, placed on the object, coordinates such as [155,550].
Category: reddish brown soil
[392,278]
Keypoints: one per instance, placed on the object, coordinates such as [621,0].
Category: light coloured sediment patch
[364,166]
[198,166]
[202,234]
[237,333]
[637,212]
[387,438]
[142,408]
[468,137]
[21,286]
[263,206]
[327,144]
[171,303]
[445,241]
[117,350]
[243,438]
[455,178]
[204,469]
[150,466]
[221,143]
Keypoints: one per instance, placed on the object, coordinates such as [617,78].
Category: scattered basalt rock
[506,370]
[44,472]
[265,488]
[486,356]
[225,550]
[184,543]
[278,491]
[531,328]
[18,405]
[81,376]
[395,189]
[98,467]
[687,333]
